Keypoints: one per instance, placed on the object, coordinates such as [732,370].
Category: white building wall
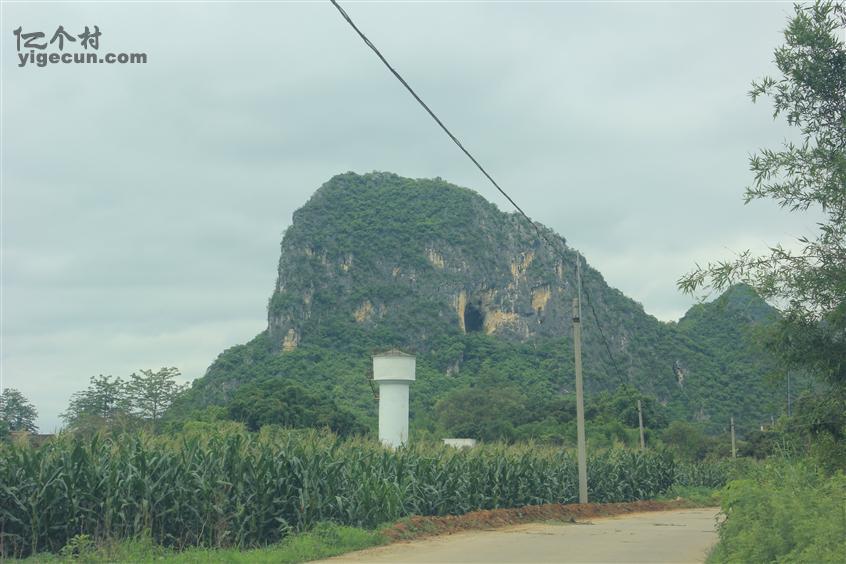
[460,443]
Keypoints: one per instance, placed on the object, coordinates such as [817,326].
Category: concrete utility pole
[640,422]
[580,394]
[733,446]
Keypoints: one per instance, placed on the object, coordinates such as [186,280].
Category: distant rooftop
[393,352]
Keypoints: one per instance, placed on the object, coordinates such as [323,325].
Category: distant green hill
[377,261]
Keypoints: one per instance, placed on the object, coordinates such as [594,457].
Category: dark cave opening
[474,319]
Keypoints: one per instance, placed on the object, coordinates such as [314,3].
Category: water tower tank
[394,372]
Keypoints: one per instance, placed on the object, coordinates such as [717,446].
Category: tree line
[113,402]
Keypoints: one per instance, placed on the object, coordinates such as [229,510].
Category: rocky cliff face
[419,258]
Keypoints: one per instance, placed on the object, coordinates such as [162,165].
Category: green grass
[324,541]
[698,495]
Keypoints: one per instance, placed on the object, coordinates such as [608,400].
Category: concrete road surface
[683,535]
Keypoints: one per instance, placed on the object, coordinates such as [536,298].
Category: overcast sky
[143,205]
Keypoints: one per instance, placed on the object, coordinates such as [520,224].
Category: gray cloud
[143,204]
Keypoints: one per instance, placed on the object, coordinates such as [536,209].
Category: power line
[604,339]
[431,113]
[455,140]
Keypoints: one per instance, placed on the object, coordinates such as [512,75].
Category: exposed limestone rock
[559,271]
[291,340]
[519,267]
[540,297]
[435,258]
[495,320]
[460,302]
[362,313]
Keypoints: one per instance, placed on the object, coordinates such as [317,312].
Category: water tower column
[393,371]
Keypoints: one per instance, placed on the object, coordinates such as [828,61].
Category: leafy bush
[784,512]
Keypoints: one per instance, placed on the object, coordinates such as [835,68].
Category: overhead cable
[455,140]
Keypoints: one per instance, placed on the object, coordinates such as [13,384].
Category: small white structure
[394,371]
[460,443]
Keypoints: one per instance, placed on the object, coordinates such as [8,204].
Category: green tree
[487,413]
[279,402]
[823,417]
[16,412]
[621,406]
[809,282]
[150,393]
[102,404]
[686,440]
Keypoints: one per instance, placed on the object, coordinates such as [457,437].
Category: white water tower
[394,372]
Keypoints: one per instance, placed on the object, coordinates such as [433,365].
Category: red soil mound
[417,527]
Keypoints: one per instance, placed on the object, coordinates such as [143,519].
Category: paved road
[683,535]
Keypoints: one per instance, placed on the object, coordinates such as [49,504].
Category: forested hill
[376,261]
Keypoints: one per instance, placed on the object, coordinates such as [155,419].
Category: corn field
[713,473]
[238,489]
